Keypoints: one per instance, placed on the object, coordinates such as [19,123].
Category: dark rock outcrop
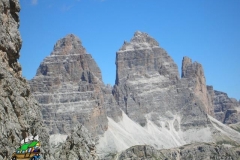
[20,115]
[202,151]
[79,145]
[68,85]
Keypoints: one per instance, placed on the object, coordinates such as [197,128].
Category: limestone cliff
[20,114]
[149,103]
[159,108]
[148,83]
[68,85]
[144,70]
[194,74]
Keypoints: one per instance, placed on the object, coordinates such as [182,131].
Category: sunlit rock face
[158,107]
[20,115]
[68,85]
[194,74]
[148,85]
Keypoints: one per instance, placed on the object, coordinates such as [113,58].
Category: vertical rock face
[10,43]
[20,115]
[226,110]
[68,62]
[194,74]
[159,108]
[68,85]
[110,104]
[148,83]
[216,103]
[143,71]
[143,57]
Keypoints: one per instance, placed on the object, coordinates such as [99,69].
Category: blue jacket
[37,157]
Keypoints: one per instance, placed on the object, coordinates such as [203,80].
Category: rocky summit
[20,114]
[68,85]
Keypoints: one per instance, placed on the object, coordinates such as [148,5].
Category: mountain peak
[140,40]
[70,44]
[141,37]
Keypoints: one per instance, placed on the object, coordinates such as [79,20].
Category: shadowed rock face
[20,115]
[68,85]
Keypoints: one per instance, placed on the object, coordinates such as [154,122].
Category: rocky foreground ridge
[20,114]
[79,145]
[149,103]
[191,151]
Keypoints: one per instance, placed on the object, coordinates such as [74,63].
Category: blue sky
[208,31]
